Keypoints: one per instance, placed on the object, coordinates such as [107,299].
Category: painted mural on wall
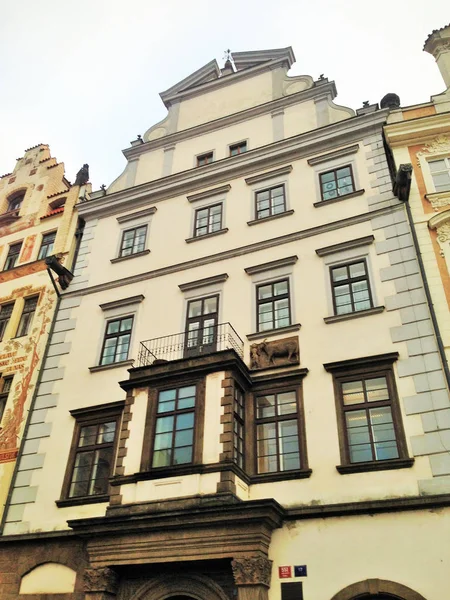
[22,358]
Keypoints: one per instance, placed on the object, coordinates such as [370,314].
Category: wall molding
[349,245]
[269,175]
[223,189]
[137,215]
[317,160]
[273,264]
[199,283]
[122,302]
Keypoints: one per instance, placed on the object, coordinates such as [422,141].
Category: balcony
[198,342]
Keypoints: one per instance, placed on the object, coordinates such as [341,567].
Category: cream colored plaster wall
[257,132]
[174,221]
[225,100]
[170,487]
[300,118]
[408,548]
[149,168]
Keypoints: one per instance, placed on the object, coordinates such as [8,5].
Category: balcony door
[201,326]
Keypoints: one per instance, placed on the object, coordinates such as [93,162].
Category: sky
[85,76]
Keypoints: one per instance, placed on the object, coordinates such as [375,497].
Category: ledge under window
[380,465]
[272,332]
[207,235]
[82,500]
[282,476]
[339,198]
[122,363]
[135,255]
[286,213]
[354,315]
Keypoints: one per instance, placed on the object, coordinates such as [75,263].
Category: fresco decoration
[28,248]
[23,223]
[22,270]
[23,358]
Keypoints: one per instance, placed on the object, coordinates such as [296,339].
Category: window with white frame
[440,172]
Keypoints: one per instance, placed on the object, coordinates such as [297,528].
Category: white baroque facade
[241,389]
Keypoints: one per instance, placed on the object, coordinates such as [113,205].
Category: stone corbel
[252,577]
[100,584]
[441,223]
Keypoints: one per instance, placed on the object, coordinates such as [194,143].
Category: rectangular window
[116,343]
[273,305]
[270,202]
[337,182]
[26,319]
[440,172]
[370,430]
[5,388]
[238,426]
[208,220]
[48,241]
[133,241]
[13,256]
[174,428]
[277,432]
[238,148]
[5,315]
[350,288]
[205,159]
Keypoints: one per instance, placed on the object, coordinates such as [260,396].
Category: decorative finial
[103,188]
[365,103]
[139,137]
[227,55]
[321,77]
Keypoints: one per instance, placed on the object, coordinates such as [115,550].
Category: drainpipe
[402,187]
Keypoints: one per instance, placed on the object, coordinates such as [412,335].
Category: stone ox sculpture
[280,352]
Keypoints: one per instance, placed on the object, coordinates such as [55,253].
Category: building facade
[420,135]
[244,374]
[37,220]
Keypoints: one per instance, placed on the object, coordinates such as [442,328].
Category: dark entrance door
[201,326]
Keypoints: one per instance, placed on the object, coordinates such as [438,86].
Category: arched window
[15,202]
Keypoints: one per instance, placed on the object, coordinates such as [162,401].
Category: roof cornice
[417,130]
[181,91]
[221,171]
[249,113]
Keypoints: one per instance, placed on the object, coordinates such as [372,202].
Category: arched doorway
[377,589]
[182,587]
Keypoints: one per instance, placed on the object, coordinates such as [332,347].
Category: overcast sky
[84,76]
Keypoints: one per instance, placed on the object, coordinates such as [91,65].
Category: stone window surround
[205,200]
[265,181]
[202,288]
[343,253]
[234,144]
[267,273]
[85,416]
[331,161]
[201,155]
[131,221]
[423,160]
[362,367]
[125,307]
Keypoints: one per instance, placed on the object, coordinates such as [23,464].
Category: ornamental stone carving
[439,145]
[438,200]
[252,571]
[443,233]
[101,580]
[274,354]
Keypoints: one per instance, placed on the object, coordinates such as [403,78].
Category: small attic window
[57,203]
[15,202]
[238,148]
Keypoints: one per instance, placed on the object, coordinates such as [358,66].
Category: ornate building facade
[244,372]
[37,220]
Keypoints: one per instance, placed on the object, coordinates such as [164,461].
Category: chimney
[438,44]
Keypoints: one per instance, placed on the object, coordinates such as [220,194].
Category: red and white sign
[284,572]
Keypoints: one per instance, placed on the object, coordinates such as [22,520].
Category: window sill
[271,218]
[381,465]
[283,476]
[82,500]
[207,235]
[272,332]
[354,315]
[135,255]
[339,198]
[122,363]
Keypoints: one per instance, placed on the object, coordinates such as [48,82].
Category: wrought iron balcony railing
[197,342]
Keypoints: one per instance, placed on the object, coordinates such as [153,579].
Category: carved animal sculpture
[280,349]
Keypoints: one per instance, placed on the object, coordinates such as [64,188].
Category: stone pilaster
[100,584]
[252,577]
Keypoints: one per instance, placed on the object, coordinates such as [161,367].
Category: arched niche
[377,589]
[48,578]
[183,587]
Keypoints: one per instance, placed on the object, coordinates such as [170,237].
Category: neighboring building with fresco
[37,219]
[420,135]
[244,378]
